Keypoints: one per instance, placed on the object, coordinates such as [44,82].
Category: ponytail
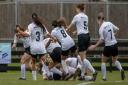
[37,21]
[55,23]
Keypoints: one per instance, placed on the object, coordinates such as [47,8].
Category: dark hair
[61,22]
[38,22]
[55,23]
[81,7]
[21,28]
[34,16]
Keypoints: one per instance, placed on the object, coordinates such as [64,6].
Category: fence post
[16,12]
[61,8]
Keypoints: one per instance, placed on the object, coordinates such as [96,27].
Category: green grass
[11,78]
[94,64]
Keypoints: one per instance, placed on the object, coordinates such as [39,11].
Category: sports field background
[11,78]
[14,12]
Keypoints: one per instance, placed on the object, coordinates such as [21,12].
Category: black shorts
[56,55]
[37,56]
[72,50]
[56,76]
[27,50]
[110,51]
[83,42]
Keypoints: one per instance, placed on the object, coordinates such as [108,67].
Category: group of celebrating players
[69,61]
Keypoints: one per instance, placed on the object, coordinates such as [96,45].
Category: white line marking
[85,83]
[118,81]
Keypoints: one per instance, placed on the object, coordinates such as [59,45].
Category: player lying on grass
[107,32]
[73,63]
[56,72]
[26,57]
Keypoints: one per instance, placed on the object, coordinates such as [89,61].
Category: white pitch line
[85,83]
[118,81]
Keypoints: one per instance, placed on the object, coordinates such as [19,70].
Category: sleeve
[29,30]
[53,33]
[101,34]
[115,28]
[15,39]
[74,20]
[68,60]
[46,41]
[46,31]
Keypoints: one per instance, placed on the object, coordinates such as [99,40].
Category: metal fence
[19,12]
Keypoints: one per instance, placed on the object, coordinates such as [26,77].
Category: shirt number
[37,36]
[63,33]
[85,25]
[110,31]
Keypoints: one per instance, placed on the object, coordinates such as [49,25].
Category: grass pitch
[11,78]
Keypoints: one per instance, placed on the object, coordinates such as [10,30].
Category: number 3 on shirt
[37,36]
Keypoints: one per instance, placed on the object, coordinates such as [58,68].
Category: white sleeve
[46,31]
[53,33]
[68,61]
[115,28]
[46,41]
[15,39]
[74,20]
[101,34]
[29,29]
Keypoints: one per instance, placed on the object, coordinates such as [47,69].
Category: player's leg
[114,53]
[117,63]
[71,71]
[56,57]
[73,51]
[24,59]
[83,44]
[23,68]
[103,67]
[63,63]
[34,67]
[82,57]
[119,67]
[28,61]
[105,56]
[45,67]
[90,67]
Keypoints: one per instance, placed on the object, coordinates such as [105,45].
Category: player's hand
[92,47]
[51,40]
[66,29]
